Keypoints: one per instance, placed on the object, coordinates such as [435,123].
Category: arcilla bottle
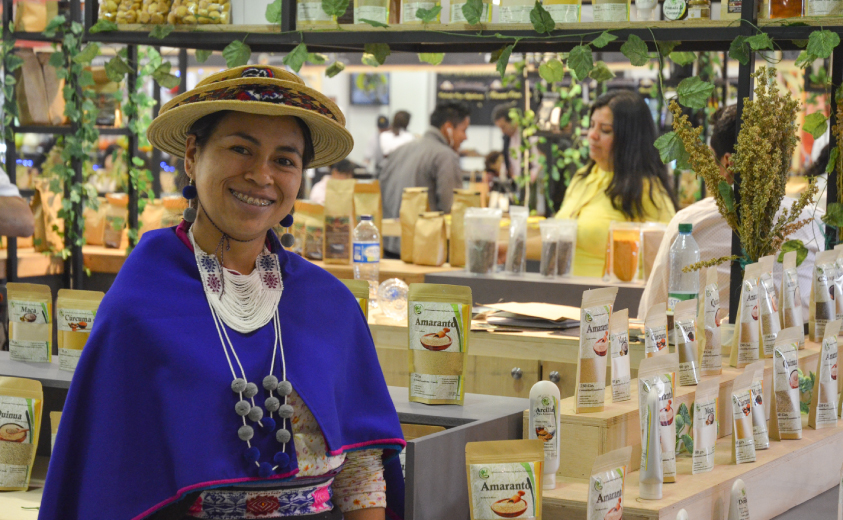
[544,425]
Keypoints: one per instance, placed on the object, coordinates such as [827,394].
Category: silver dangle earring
[189,192]
[287,239]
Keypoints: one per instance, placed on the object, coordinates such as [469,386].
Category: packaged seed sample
[659,374]
[746,341]
[430,239]
[791,297]
[760,430]
[785,413]
[505,479]
[595,314]
[20,408]
[439,321]
[606,486]
[708,324]
[30,322]
[619,341]
[822,308]
[768,307]
[360,290]
[75,314]
[339,218]
[823,410]
[413,203]
[516,253]
[685,325]
[463,199]
[655,331]
[705,425]
[367,201]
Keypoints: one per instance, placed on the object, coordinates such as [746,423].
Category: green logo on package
[598,485]
[588,317]
[484,473]
[545,401]
[417,308]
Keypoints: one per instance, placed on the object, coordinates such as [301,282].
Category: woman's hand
[375,513]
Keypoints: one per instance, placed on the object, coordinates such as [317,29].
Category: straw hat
[255,89]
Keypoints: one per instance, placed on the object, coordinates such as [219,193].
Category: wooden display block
[782,477]
[587,435]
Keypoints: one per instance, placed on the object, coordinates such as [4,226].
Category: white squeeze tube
[544,425]
[738,505]
[652,475]
[682,515]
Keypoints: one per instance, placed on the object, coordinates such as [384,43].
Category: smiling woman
[264,428]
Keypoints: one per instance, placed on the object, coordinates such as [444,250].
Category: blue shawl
[150,414]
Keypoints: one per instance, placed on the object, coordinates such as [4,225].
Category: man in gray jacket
[431,162]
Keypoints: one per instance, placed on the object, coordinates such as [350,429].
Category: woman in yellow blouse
[624,180]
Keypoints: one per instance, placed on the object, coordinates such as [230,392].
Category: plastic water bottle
[366,242]
[683,252]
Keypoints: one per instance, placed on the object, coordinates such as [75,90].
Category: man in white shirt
[15,216]
[341,170]
[714,235]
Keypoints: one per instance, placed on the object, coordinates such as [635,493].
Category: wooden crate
[784,476]
[587,435]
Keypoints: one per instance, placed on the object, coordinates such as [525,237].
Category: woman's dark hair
[491,158]
[635,157]
[400,121]
[204,127]
[724,130]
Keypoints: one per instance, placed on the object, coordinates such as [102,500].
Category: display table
[32,263]
[533,287]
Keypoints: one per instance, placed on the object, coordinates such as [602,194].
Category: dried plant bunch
[766,141]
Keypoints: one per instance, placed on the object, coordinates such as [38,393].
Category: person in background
[713,234]
[341,170]
[624,180]
[398,134]
[430,162]
[16,218]
[373,160]
[493,174]
[501,119]
[513,158]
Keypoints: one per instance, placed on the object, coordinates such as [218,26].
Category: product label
[705,435]
[605,495]
[698,13]
[759,415]
[371,12]
[734,7]
[438,327]
[458,17]
[824,307]
[749,331]
[743,506]
[620,367]
[337,234]
[30,313]
[544,411]
[655,340]
[408,10]
[515,13]
[311,12]
[838,290]
[429,386]
[73,320]
[674,298]
[504,490]
[563,13]
[792,304]
[674,9]
[30,331]
[711,361]
[313,242]
[611,12]
[69,358]
[594,345]
[744,438]
[823,7]
[770,325]
[786,390]
[686,347]
[16,447]
[827,380]
[367,252]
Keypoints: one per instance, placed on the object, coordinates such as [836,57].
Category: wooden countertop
[389,268]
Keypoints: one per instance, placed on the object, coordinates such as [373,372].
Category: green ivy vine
[11,63]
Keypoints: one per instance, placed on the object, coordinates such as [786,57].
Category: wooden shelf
[784,476]
[32,263]
[389,268]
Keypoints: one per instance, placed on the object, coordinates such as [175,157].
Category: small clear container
[549,231]
[652,234]
[624,251]
[564,11]
[516,253]
[375,10]
[410,7]
[566,246]
[611,10]
[201,12]
[515,11]
[392,298]
[457,15]
[481,239]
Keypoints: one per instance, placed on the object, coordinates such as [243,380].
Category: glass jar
[780,9]
[611,10]
[409,8]
[375,10]
[515,11]
[458,17]
[624,251]
[823,7]
[699,10]
[564,11]
[195,12]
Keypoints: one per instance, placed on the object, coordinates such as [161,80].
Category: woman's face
[601,138]
[248,173]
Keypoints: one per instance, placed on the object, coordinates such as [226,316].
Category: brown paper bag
[116,218]
[413,202]
[463,199]
[339,221]
[174,206]
[430,239]
[367,201]
[31,91]
[45,210]
[95,223]
[151,218]
[311,217]
[30,15]
[53,87]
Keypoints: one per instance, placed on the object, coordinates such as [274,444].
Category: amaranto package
[823,410]
[705,425]
[75,313]
[791,298]
[504,479]
[743,435]
[619,340]
[30,322]
[759,412]
[660,373]
[785,415]
[746,341]
[708,324]
[822,308]
[605,490]
[439,321]
[595,313]
[685,325]
[768,307]
[655,331]
[20,407]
